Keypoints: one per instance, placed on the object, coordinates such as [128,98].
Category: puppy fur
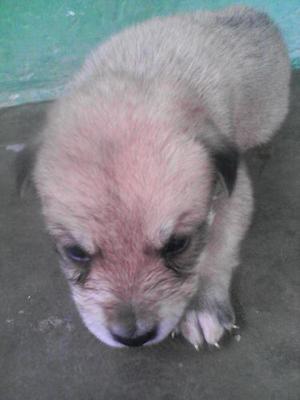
[146,145]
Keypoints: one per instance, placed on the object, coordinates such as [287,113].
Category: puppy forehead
[131,170]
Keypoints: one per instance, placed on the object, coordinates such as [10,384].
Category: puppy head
[125,192]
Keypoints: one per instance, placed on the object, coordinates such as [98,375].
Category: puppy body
[128,162]
[234,60]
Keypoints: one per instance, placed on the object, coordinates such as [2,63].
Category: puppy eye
[77,254]
[176,245]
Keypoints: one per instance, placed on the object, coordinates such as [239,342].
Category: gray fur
[234,60]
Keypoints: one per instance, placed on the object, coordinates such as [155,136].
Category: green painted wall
[42,42]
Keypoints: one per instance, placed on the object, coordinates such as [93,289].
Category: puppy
[141,176]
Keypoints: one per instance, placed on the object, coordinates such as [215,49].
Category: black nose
[135,341]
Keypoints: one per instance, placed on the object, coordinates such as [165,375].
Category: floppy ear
[24,164]
[226,161]
[224,153]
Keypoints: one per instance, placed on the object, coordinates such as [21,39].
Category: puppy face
[125,195]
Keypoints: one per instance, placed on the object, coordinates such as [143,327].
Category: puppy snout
[135,341]
[130,331]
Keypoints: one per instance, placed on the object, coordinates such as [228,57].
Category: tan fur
[127,159]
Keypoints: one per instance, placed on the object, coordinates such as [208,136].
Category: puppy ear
[226,161]
[24,164]
[224,153]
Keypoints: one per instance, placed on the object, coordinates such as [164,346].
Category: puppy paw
[207,325]
[191,330]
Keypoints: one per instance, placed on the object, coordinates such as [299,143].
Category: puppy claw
[234,327]
[211,327]
[217,345]
[173,334]
[190,329]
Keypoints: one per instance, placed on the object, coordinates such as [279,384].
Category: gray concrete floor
[47,354]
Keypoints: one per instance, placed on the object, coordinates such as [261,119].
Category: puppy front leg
[211,313]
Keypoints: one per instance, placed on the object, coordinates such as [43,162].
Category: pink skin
[124,185]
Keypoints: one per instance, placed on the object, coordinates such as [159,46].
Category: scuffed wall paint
[42,42]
